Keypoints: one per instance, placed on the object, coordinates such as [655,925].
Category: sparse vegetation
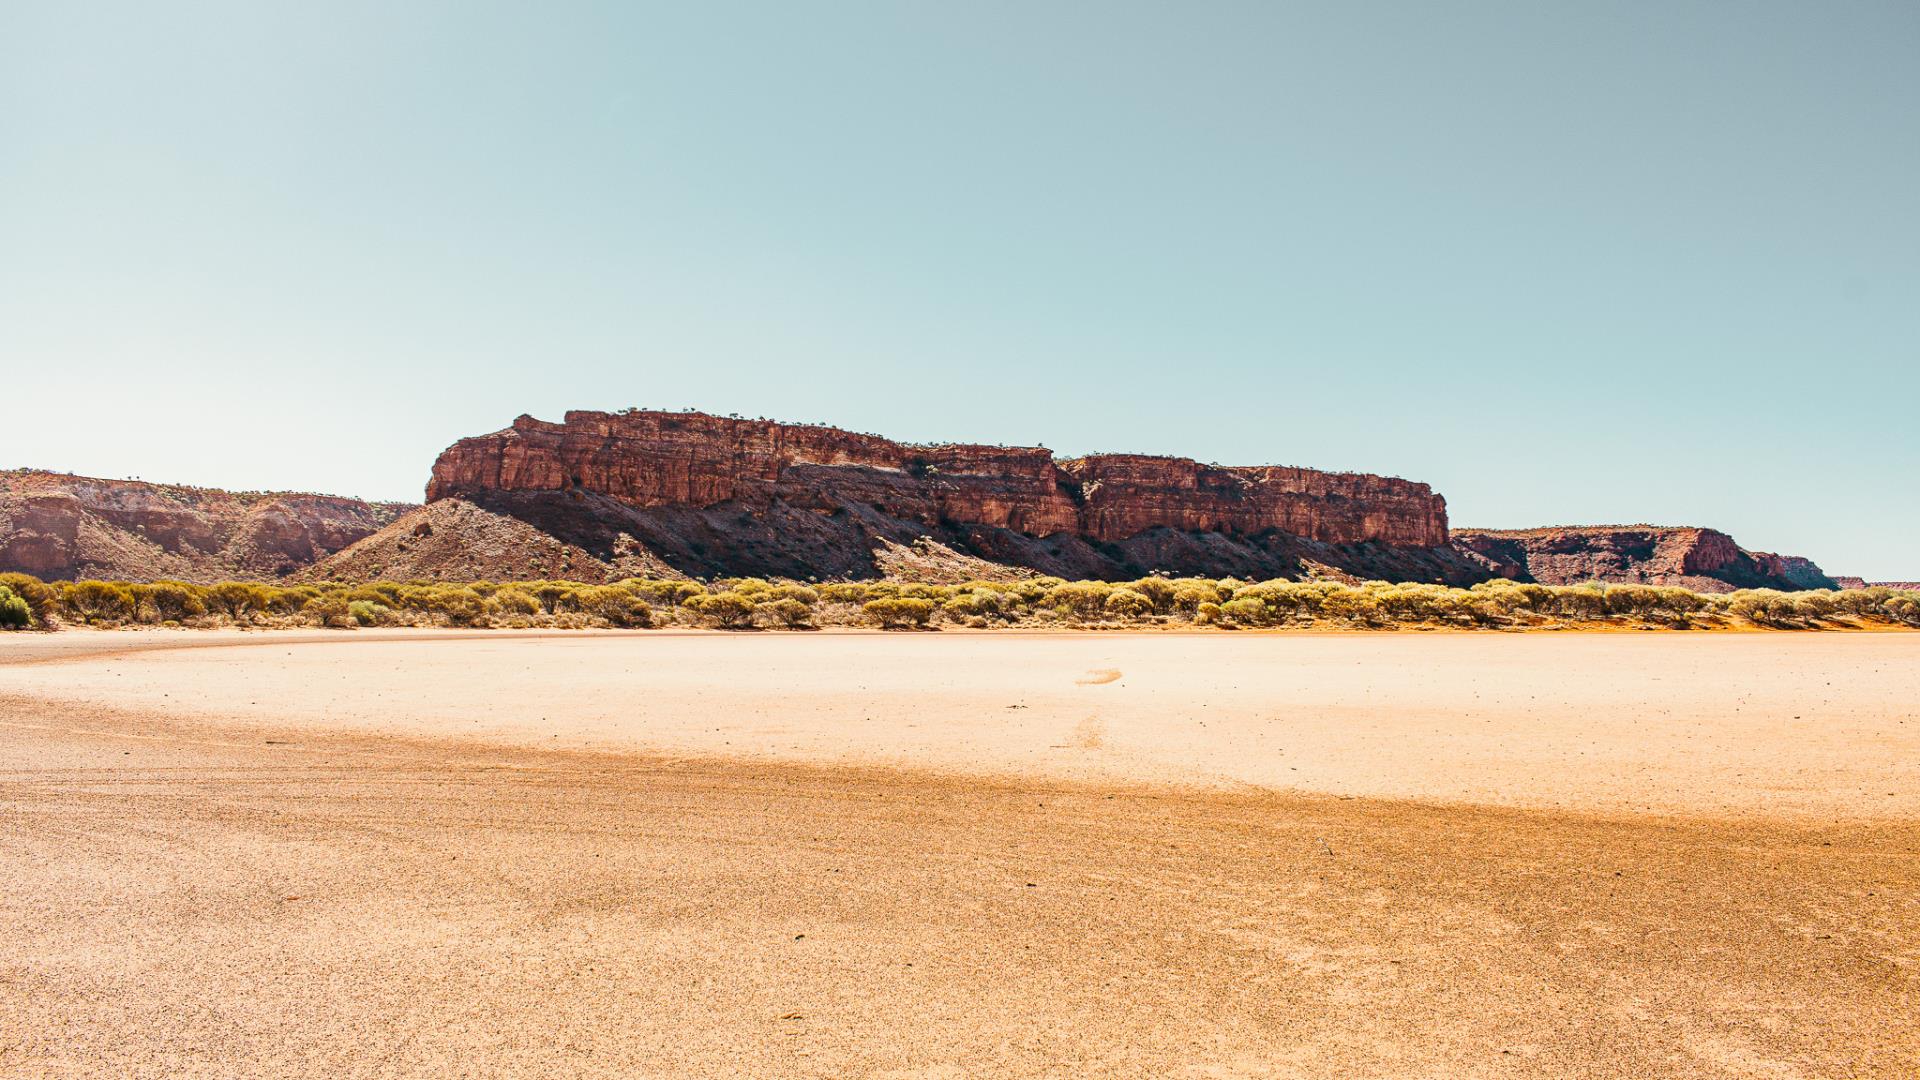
[14,612]
[753,603]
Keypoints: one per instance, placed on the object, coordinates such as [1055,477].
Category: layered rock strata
[56,525]
[647,460]
[1705,560]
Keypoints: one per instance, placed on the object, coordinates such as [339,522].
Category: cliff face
[1705,560]
[646,460]
[53,525]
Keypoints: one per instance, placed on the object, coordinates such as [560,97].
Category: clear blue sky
[1570,263]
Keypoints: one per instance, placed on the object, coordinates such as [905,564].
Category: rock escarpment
[688,492]
[651,459]
[714,495]
[55,525]
[1705,560]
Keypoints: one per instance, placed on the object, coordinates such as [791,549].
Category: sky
[1569,263]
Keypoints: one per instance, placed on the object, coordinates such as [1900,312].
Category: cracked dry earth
[489,856]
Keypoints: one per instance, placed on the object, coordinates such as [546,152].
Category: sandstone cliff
[1705,560]
[710,495]
[54,525]
[651,459]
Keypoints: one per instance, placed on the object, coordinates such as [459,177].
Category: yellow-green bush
[41,599]
[98,601]
[789,612]
[1126,604]
[14,612]
[894,612]
[618,606]
[1079,599]
[236,600]
[510,601]
[740,603]
[728,610]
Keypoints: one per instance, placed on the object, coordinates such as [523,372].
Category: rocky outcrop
[711,495]
[55,526]
[1705,560]
[645,460]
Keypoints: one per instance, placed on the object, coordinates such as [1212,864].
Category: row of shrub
[747,603]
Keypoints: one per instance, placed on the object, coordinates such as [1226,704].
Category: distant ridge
[1704,560]
[603,496]
[58,525]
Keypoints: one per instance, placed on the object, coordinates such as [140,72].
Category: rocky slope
[709,495]
[54,525]
[1704,560]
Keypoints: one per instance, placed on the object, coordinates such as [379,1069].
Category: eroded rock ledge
[1705,560]
[656,459]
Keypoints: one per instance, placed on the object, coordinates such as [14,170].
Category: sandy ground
[956,855]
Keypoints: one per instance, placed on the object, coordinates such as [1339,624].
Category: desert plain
[859,854]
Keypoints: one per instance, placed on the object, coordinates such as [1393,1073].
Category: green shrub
[614,604]
[458,604]
[1033,591]
[41,598]
[1127,604]
[789,612]
[237,600]
[508,600]
[1355,605]
[1190,593]
[898,611]
[727,610]
[15,614]
[1158,591]
[666,593]
[791,591]
[1902,607]
[1080,599]
[1764,607]
[1580,602]
[369,613]
[175,601]
[97,601]
[289,601]
[979,603]
[846,592]
[551,594]
[1862,602]
[1243,611]
[331,609]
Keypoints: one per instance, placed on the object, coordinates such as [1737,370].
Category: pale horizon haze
[1569,264]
